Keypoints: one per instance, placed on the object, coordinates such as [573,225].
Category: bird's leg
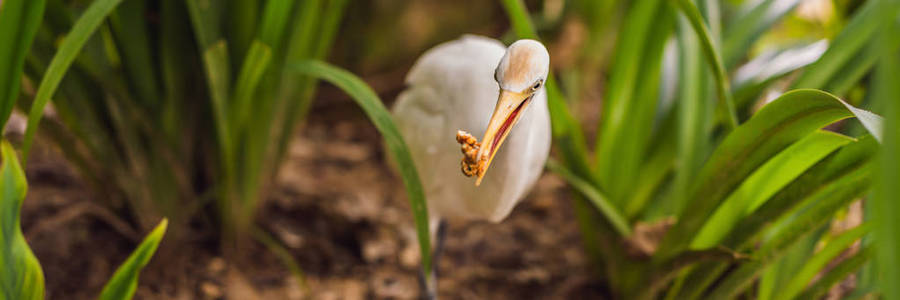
[428,282]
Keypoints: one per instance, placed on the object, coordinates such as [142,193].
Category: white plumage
[453,87]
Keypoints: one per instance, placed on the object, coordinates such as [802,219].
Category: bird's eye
[536,86]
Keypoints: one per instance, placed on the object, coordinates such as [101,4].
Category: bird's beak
[507,112]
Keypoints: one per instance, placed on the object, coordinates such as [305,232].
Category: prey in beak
[477,157]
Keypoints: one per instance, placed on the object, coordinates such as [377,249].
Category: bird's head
[521,75]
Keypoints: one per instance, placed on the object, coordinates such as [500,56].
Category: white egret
[476,84]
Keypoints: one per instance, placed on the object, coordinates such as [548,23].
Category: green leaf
[815,264]
[68,50]
[218,77]
[363,95]
[694,116]
[775,127]
[837,274]
[629,107]
[714,59]
[19,21]
[756,75]
[133,42]
[850,42]
[255,65]
[21,277]
[815,211]
[768,179]
[748,26]
[615,217]
[124,281]
[886,92]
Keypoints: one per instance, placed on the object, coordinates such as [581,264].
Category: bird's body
[452,87]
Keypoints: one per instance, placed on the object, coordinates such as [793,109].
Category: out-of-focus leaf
[885,204]
[123,283]
[815,211]
[68,50]
[363,95]
[694,116]
[753,77]
[255,65]
[21,277]
[714,59]
[756,17]
[133,40]
[767,180]
[815,264]
[615,217]
[629,107]
[776,126]
[836,274]
[19,21]
[849,43]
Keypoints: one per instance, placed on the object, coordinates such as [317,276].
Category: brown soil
[342,215]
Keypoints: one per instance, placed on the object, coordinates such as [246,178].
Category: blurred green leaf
[619,222]
[123,283]
[631,98]
[21,277]
[776,126]
[714,59]
[836,274]
[815,211]
[68,50]
[19,22]
[759,73]
[886,92]
[129,26]
[799,280]
[363,95]
[850,42]
[255,65]
[754,19]
[765,181]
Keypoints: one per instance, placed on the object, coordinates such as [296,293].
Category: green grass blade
[752,78]
[835,170]
[206,17]
[814,213]
[274,21]
[215,61]
[123,283]
[68,50]
[714,59]
[133,42]
[241,24]
[632,94]
[836,274]
[815,264]
[612,214]
[363,95]
[255,66]
[694,124]
[21,276]
[851,41]
[776,126]
[886,92]
[763,183]
[19,22]
[749,26]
